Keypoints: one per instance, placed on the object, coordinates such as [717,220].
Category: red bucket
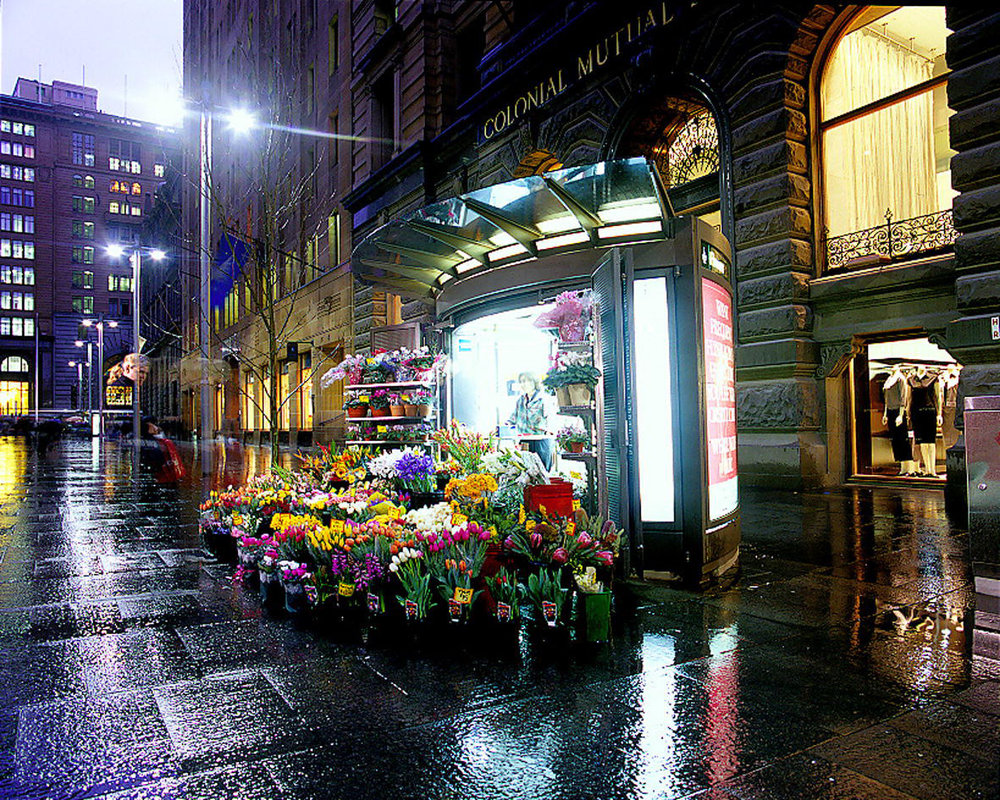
[557,497]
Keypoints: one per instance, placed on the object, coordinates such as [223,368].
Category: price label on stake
[459,519]
[363,398]
[503,612]
[345,589]
[549,611]
[336,526]
[381,429]
[463,596]
[411,609]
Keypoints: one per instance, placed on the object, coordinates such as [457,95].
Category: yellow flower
[521,517]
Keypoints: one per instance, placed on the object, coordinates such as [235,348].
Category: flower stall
[361,541]
[583,279]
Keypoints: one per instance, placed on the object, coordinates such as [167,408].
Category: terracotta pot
[410,409]
[357,411]
[580,394]
[562,396]
[397,411]
[380,412]
[423,410]
[574,447]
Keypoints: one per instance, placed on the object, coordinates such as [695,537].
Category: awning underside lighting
[598,205]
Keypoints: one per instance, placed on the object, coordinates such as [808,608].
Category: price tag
[503,612]
[345,589]
[549,611]
[395,512]
[363,398]
[459,519]
[411,609]
[381,429]
[405,398]
[463,596]
[336,527]
[369,360]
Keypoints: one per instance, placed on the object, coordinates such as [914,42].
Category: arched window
[884,136]
[680,136]
[537,162]
[14,364]
[88,182]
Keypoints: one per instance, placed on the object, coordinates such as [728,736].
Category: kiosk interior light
[466,265]
[510,251]
[565,240]
[630,229]
[647,209]
[561,224]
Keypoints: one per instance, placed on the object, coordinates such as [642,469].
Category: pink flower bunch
[570,314]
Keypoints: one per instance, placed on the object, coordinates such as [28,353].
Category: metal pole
[136,416]
[204,275]
[100,376]
[79,386]
[90,381]
[38,386]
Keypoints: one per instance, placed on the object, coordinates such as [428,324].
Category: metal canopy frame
[594,206]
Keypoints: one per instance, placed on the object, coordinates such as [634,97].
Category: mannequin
[896,393]
[949,392]
[925,417]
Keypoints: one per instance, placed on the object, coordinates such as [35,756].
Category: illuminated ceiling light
[577,237]
[632,211]
[630,229]
[560,224]
[502,239]
[507,252]
[444,277]
[466,265]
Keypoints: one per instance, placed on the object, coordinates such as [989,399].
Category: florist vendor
[530,419]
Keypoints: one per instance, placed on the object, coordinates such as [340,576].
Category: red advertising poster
[720,398]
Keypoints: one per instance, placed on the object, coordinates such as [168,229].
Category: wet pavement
[840,665]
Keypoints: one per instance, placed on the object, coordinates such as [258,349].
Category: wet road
[839,666]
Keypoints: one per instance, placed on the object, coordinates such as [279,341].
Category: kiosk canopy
[603,204]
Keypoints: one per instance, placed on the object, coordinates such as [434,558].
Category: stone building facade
[733,102]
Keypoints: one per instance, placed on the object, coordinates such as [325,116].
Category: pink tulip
[584,539]
[536,540]
[560,556]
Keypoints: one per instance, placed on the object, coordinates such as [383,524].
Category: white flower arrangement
[430,518]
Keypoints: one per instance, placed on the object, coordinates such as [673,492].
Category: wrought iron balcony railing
[894,241]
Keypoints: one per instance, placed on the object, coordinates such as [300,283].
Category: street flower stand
[663,414]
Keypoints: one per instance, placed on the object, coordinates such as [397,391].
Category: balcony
[894,241]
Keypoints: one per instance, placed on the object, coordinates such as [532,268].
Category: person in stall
[530,419]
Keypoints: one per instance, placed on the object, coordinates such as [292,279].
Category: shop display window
[904,398]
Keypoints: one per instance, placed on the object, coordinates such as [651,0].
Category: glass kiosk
[663,415]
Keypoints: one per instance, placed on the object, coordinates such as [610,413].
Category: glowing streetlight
[241,121]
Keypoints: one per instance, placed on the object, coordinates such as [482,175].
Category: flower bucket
[424,499]
[397,411]
[272,593]
[557,497]
[593,616]
[222,545]
[410,410]
[580,394]
[562,396]
[296,601]
[380,412]
[358,411]
[423,410]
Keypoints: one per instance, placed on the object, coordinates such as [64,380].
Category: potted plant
[546,593]
[569,316]
[574,373]
[506,594]
[396,408]
[572,439]
[356,407]
[379,403]
[422,400]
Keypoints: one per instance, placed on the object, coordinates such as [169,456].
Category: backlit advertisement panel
[720,398]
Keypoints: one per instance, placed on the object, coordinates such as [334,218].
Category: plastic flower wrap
[350,368]
[570,315]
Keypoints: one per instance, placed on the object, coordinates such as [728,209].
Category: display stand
[587,414]
[381,423]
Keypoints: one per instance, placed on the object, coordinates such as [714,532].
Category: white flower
[394,567]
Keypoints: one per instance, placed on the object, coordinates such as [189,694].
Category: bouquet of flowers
[465,446]
[570,315]
[410,567]
[415,471]
[352,368]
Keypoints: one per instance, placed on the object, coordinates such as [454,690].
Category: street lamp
[117,251]
[99,323]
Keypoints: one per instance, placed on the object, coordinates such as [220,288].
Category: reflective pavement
[840,665]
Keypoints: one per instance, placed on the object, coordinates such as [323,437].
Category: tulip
[560,556]
[536,540]
[584,539]
[605,557]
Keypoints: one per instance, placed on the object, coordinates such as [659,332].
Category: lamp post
[99,323]
[116,251]
[79,383]
[90,375]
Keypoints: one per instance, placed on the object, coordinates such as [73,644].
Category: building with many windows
[848,153]
[72,181]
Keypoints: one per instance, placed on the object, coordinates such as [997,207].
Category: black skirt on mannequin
[924,421]
[899,436]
